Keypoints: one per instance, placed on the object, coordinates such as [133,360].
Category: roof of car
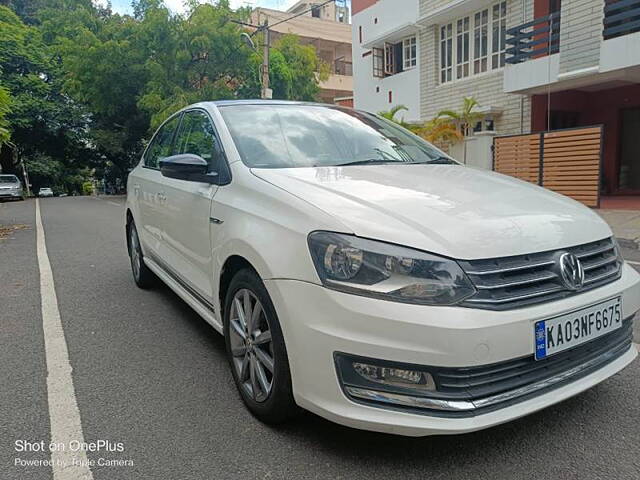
[221,103]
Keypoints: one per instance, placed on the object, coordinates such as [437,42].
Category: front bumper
[10,193]
[318,322]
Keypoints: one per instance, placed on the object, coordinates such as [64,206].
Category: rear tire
[256,350]
[143,277]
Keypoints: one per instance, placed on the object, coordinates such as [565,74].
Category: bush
[87,188]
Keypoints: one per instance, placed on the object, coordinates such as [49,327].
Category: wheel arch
[232,265]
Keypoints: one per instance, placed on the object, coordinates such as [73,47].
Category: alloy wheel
[251,345]
[135,252]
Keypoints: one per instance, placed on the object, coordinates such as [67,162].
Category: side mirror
[188,167]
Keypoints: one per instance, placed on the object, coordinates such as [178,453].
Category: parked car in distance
[359,272]
[45,192]
[11,188]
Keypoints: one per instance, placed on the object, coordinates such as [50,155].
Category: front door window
[196,136]
[161,144]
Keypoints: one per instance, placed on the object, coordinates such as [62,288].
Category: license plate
[567,331]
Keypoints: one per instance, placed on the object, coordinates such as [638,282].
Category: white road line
[633,263]
[114,203]
[64,415]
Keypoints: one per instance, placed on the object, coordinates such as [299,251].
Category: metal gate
[565,161]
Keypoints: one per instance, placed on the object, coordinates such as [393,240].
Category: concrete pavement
[150,374]
[625,225]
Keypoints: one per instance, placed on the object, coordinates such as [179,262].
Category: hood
[451,210]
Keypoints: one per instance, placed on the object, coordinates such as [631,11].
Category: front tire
[143,277]
[256,350]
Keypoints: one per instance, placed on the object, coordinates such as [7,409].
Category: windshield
[8,179]
[283,136]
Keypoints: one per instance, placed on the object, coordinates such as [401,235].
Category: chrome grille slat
[540,278]
[509,269]
[601,276]
[519,297]
[601,263]
[522,280]
[592,253]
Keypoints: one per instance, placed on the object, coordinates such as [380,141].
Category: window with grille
[446,53]
[498,33]
[480,36]
[409,53]
[378,62]
[462,48]
[473,44]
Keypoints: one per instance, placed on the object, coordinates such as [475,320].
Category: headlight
[390,272]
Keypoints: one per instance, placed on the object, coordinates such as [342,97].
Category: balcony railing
[533,39]
[621,17]
[342,67]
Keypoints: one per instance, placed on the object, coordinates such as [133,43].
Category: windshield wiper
[369,161]
[442,160]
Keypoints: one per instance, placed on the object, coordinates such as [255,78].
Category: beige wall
[487,88]
[580,34]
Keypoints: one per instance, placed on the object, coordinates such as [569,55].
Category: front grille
[522,280]
[484,384]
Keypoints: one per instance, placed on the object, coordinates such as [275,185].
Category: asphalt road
[149,373]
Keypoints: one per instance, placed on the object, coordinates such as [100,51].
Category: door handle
[162,197]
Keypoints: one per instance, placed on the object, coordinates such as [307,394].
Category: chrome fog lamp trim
[410,401]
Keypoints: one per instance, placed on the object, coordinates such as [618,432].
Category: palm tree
[391,115]
[464,120]
[440,130]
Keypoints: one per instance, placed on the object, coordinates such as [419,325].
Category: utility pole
[266,91]
[26,178]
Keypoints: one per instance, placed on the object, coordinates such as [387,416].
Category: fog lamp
[397,377]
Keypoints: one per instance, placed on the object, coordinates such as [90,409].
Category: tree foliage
[5,108]
[40,117]
[82,88]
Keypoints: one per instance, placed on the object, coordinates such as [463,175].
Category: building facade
[532,65]
[326,11]
[463,54]
[330,38]
[584,69]
[453,49]
[386,56]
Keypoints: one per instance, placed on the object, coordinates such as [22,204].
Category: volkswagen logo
[571,271]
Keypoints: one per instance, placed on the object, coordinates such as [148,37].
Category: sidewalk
[625,225]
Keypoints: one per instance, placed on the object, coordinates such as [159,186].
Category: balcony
[537,61]
[621,17]
[342,67]
[534,39]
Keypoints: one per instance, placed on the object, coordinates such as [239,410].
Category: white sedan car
[358,272]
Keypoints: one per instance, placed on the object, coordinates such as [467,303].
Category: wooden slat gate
[565,161]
